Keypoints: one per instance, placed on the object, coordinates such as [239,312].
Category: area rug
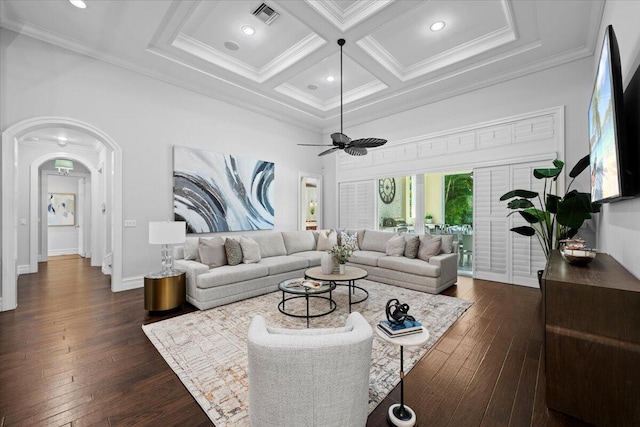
[208,349]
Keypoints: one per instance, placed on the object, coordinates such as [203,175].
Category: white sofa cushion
[231,274]
[327,239]
[190,248]
[408,265]
[250,250]
[429,246]
[284,264]
[271,244]
[314,257]
[299,241]
[366,257]
[211,252]
[376,240]
[395,246]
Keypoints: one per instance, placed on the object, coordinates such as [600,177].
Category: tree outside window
[458,199]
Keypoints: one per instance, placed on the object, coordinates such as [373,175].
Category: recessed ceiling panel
[214,32]
[345,14]
[312,86]
[408,47]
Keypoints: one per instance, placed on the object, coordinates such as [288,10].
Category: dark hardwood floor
[73,353]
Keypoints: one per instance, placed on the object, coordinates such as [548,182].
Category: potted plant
[341,253]
[552,218]
[428,218]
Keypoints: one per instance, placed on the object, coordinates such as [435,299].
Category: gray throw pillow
[429,248]
[447,243]
[395,246]
[234,251]
[412,246]
[212,252]
[250,250]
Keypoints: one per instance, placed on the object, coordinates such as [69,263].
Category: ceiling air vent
[265,14]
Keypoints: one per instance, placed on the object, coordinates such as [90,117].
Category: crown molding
[333,102]
[344,19]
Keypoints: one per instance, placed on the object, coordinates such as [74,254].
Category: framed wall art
[61,209]
[221,192]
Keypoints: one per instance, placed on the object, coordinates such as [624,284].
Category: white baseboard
[42,259]
[23,269]
[131,283]
[72,251]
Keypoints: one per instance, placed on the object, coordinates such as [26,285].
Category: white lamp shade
[167,232]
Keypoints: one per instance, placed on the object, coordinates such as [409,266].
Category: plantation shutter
[357,209]
[490,260]
[526,253]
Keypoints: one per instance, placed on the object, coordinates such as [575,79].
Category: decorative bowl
[578,256]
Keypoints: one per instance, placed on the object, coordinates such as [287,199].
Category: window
[458,199]
[396,203]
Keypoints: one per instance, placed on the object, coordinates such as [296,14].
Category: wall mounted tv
[611,144]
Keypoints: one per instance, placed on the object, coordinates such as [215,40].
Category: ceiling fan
[341,141]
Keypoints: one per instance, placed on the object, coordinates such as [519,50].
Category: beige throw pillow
[327,239]
[250,250]
[412,246]
[395,246]
[190,249]
[234,251]
[447,243]
[429,247]
[212,252]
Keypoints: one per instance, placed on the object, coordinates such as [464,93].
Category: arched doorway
[12,199]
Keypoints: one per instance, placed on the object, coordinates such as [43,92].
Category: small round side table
[401,415]
[164,291]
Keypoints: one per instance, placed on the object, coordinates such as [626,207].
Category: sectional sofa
[287,254]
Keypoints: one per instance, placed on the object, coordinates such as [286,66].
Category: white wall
[569,85]
[146,118]
[619,222]
[63,240]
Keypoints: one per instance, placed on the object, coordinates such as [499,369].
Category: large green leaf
[558,163]
[574,209]
[579,167]
[542,216]
[524,230]
[542,173]
[520,204]
[552,203]
[519,193]
[529,217]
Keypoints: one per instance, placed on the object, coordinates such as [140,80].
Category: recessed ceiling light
[62,138]
[248,30]
[232,45]
[78,3]
[437,26]
[312,87]
[330,78]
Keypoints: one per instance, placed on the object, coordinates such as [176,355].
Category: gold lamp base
[164,291]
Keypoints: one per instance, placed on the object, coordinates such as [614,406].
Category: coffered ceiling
[392,59]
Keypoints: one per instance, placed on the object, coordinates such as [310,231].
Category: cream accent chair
[309,377]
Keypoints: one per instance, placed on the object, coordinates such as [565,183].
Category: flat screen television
[609,155]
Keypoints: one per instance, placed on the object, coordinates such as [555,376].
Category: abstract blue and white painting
[220,192]
[61,209]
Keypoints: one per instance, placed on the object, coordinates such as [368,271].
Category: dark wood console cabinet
[592,341]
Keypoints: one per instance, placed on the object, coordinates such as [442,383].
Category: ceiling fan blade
[368,142]
[355,151]
[330,150]
[340,138]
[316,145]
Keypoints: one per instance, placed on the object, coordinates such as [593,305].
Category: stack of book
[407,328]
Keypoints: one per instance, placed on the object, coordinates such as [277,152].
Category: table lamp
[167,233]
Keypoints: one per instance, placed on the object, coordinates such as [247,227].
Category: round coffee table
[351,274]
[288,287]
